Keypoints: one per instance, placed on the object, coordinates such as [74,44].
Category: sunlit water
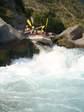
[50,82]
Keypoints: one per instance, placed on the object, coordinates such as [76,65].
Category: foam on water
[50,82]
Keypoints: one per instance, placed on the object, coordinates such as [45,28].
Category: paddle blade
[32,20]
[29,22]
[46,22]
[42,27]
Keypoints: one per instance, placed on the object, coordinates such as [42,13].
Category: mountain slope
[61,13]
[69,11]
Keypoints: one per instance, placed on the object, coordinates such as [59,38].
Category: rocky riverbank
[13,44]
[72,37]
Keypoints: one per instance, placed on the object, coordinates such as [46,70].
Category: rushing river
[50,82]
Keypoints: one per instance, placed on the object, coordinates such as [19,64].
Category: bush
[46,1]
[29,12]
[55,25]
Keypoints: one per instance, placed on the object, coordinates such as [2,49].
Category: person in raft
[30,29]
[41,29]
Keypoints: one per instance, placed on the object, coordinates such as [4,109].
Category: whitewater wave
[59,61]
[50,82]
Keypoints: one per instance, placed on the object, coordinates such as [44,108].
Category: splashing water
[50,82]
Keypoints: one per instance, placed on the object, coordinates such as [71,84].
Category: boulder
[13,44]
[73,37]
[45,42]
[12,11]
[4,57]
[8,33]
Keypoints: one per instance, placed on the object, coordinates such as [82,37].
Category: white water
[51,82]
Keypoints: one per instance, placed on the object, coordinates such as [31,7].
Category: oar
[29,23]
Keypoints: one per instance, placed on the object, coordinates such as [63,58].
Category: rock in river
[73,37]
[13,44]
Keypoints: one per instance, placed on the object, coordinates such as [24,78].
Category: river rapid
[51,82]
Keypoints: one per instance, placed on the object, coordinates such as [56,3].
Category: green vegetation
[61,13]
[19,5]
[55,25]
